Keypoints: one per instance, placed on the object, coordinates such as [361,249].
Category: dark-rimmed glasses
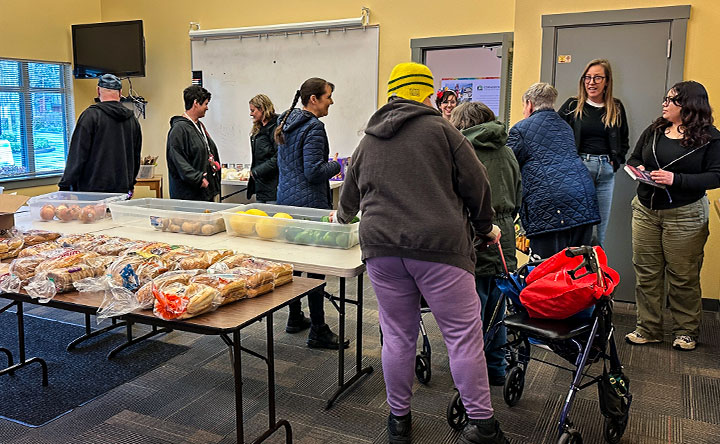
[671,99]
[593,79]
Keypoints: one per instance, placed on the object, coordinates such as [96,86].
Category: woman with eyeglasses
[681,150]
[601,132]
[446,100]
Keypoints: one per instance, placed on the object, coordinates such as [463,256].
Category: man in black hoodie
[192,157]
[104,153]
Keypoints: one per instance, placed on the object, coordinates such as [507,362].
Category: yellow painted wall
[40,30]
[700,64]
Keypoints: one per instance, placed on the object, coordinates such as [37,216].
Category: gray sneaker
[636,338]
[684,342]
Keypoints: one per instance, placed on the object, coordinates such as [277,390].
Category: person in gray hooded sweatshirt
[424,197]
[104,154]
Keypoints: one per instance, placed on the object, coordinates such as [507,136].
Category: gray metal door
[638,54]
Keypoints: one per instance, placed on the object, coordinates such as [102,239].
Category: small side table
[154,183]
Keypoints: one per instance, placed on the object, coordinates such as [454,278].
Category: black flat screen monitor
[112,47]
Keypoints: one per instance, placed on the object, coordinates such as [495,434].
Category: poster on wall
[475,89]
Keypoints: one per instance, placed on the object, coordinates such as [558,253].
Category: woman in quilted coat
[559,204]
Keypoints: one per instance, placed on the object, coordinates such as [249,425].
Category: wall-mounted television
[111,47]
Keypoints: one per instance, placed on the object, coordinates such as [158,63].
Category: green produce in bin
[304,237]
[342,240]
[325,219]
[355,220]
[292,233]
[329,239]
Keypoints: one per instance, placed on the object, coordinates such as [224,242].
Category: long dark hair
[443,95]
[695,113]
[313,86]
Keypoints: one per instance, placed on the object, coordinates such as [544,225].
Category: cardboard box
[344,165]
[9,204]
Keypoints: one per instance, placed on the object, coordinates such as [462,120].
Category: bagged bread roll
[113,246]
[283,273]
[258,281]
[148,249]
[80,241]
[175,256]
[179,301]
[202,259]
[232,287]
[66,259]
[34,237]
[10,244]
[65,277]
[228,262]
[133,270]
[38,248]
[145,295]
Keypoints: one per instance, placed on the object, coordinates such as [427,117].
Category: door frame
[503,39]
[677,15]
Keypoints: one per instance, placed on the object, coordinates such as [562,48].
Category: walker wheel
[570,436]
[614,429]
[422,368]
[456,415]
[514,385]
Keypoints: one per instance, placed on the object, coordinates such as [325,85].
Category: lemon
[267,228]
[242,225]
[256,212]
[283,215]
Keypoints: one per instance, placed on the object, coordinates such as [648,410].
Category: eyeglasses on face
[593,79]
[671,99]
[449,102]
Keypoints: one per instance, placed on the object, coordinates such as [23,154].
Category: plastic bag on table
[232,287]
[11,242]
[132,271]
[80,241]
[48,283]
[202,259]
[117,302]
[226,263]
[35,237]
[282,272]
[144,295]
[258,281]
[36,249]
[179,301]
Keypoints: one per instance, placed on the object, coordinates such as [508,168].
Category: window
[36,118]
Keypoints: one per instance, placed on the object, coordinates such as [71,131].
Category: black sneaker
[296,324]
[482,431]
[399,428]
[323,337]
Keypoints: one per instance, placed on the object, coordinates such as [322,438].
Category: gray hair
[542,96]
[469,114]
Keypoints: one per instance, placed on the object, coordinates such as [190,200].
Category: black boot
[323,337]
[297,323]
[482,431]
[399,428]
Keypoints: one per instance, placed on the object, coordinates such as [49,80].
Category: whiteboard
[236,69]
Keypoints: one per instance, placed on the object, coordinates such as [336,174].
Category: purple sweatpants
[450,293]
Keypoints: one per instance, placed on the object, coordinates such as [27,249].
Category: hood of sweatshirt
[390,118]
[488,135]
[115,110]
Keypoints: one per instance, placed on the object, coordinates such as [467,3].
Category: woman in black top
[681,150]
[263,179]
[601,132]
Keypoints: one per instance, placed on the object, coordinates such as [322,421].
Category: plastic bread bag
[282,272]
[178,301]
[232,287]
[147,249]
[25,267]
[132,271]
[178,254]
[11,242]
[35,237]
[144,296]
[258,281]
[203,259]
[36,249]
[66,259]
[114,246]
[48,283]
[80,241]
[228,262]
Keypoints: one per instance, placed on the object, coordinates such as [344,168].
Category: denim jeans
[490,297]
[603,176]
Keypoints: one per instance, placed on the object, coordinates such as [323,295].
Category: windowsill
[35,181]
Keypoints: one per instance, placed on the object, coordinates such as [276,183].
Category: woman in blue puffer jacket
[559,204]
[304,172]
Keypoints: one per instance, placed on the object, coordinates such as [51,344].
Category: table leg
[359,370]
[89,333]
[130,340]
[237,371]
[21,347]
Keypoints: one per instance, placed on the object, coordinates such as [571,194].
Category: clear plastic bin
[67,206]
[306,226]
[177,216]
[146,172]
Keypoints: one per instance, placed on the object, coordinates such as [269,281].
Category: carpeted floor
[189,399]
[75,377]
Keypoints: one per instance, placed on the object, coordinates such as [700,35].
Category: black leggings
[316,303]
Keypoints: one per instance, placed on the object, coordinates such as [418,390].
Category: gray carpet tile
[190,399]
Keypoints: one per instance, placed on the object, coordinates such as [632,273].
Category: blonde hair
[611,117]
[263,103]
[542,95]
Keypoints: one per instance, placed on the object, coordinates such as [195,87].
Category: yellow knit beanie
[411,81]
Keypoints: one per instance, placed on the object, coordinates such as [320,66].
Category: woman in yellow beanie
[423,193]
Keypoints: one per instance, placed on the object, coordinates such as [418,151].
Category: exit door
[640,58]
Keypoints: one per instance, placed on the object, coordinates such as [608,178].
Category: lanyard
[202,133]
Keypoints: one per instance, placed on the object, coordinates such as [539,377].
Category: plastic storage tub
[146,172]
[72,205]
[177,216]
[306,226]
